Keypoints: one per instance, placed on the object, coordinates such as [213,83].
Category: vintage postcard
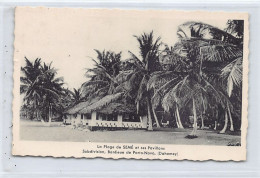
[134,84]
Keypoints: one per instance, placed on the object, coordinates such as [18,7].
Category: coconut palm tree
[66,100]
[236,28]
[102,77]
[75,96]
[30,86]
[200,30]
[109,60]
[231,73]
[51,88]
[41,87]
[144,66]
[183,91]
[197,59]
[232,76]
[228,51]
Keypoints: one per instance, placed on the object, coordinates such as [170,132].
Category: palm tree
[102,77]
[30,84]
[149,63]
[160,83]
[65,101]
[232,72]
[180,92]
[76,96]
[236,28]
[205,31]
[232,75]
[52,88]
[109,60]
[228,51]
[197,59]
[41,87]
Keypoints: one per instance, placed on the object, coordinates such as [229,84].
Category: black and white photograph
[130,84]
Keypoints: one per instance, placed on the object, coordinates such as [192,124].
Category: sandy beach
[32,130]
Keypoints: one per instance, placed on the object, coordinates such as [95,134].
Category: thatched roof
[75,109]
[101,103]
[118,108]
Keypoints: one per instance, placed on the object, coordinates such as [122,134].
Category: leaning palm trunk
[155,118]
[178,118]
[49,115]
[194,131]
[150,122]
[231,120]
[202,123]
[216,122]
[226,123]
[202,117]
[175,115]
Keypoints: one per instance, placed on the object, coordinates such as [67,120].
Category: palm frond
[159,78]
[232,73]
[220,52]
[205,31]
[123,76]
[136,61]
[142,88]
[95,82]
[160,92]
[178,94]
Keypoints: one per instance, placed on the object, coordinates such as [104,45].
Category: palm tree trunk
[226,123]
[150,122]
[195,127]
[200,63]
[50,114]
[37,114]
[215,128]
[231,120]
[204,111]
[178,117]
[156,118]
[35,107]
[83,122]
[216,122]
[202,122]
[177,122]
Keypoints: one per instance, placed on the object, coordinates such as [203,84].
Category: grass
[38,131]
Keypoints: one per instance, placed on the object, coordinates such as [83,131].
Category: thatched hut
[101,103]
[108,112]
[72,115]
[117,115]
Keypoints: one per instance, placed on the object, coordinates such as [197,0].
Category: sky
[67,37]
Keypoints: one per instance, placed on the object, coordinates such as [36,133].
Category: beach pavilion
[107,112]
